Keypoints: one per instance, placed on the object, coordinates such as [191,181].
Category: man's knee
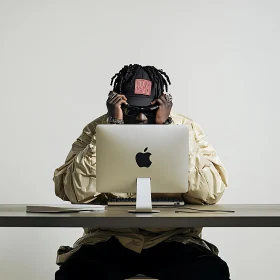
[59,275]
[212,267]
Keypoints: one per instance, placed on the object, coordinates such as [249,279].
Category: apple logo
[143,159]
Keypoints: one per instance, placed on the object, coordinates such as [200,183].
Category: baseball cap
[140,91]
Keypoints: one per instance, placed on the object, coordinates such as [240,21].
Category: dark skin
[114,109]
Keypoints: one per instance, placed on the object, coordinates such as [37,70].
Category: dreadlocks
[128,73]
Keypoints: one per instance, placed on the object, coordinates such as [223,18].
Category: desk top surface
[245,215]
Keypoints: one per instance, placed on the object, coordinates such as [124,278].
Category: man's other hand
[164,109]
[114,103]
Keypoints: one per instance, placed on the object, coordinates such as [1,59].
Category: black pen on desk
[200,210]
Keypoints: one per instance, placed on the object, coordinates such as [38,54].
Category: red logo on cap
[143,87]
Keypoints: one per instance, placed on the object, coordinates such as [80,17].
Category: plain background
[56,62]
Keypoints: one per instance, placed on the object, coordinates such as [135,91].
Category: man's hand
[114,103]
[163,112]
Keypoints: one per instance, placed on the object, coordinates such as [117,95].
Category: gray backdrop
[56,62]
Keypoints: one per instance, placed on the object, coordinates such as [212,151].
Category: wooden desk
[252,215]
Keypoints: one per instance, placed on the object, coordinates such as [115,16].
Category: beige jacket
[75,181]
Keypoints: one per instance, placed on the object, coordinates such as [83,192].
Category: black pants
[167,260]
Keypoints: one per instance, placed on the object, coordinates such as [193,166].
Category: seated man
[162,253]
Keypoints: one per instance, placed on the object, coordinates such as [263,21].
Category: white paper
[64,208]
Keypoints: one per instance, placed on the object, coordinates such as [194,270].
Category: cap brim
[139,101]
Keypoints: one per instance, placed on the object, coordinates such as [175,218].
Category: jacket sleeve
[75,180]
[207,175]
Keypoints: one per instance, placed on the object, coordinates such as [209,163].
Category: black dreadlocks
[128,73]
